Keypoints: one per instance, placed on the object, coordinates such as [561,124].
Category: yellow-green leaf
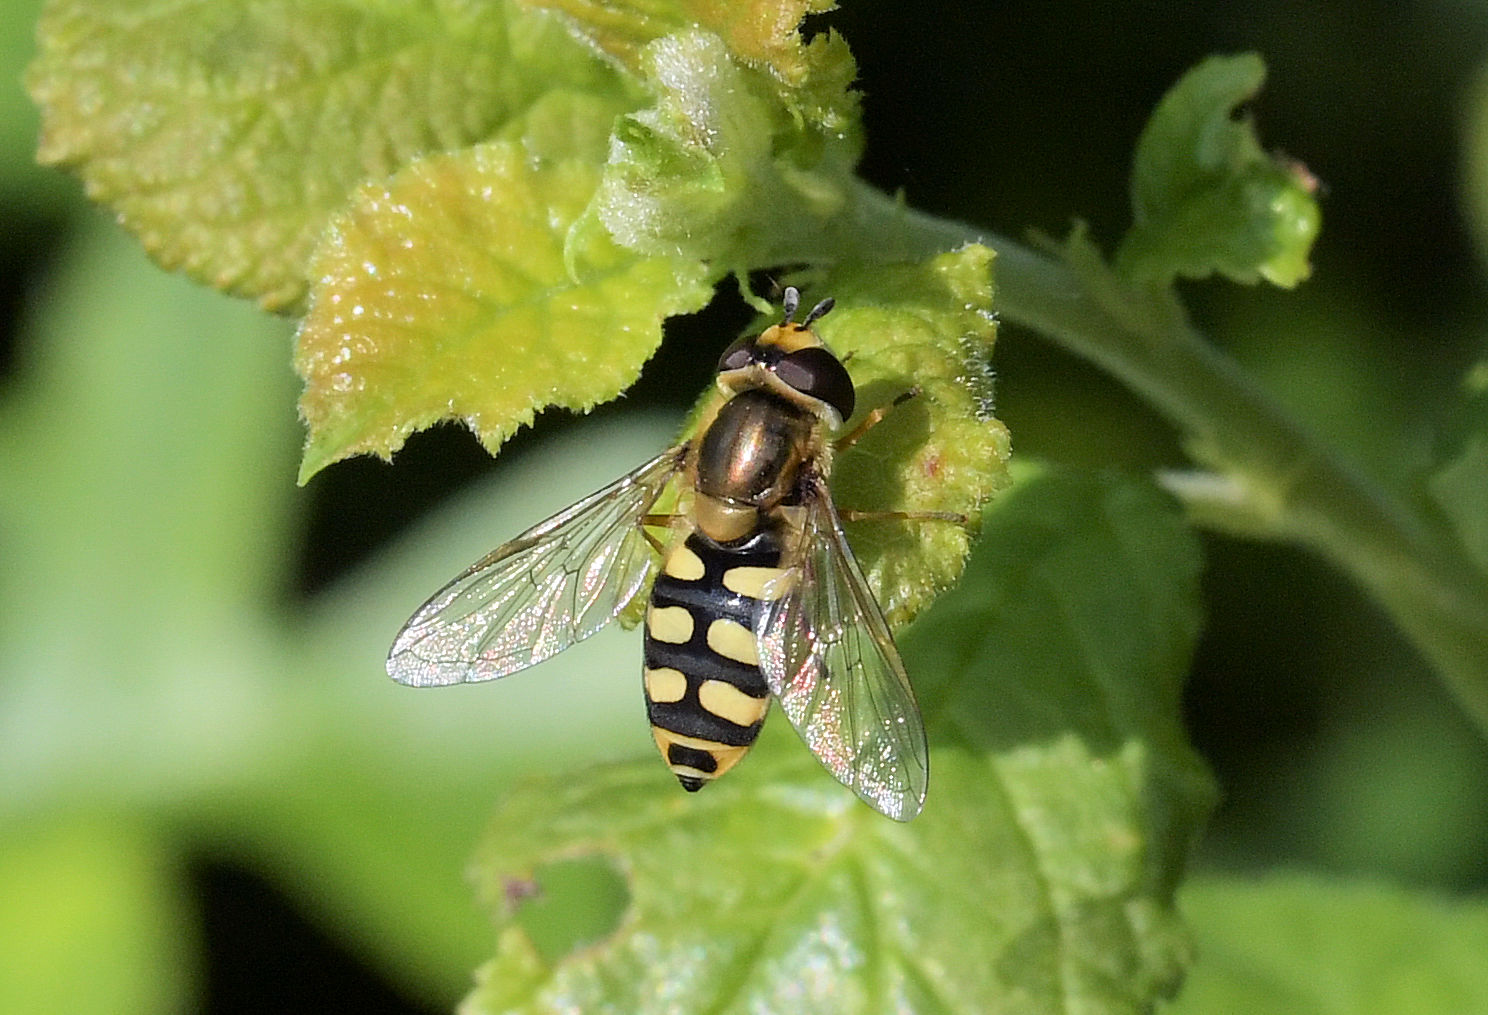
[719,167]
[761,33]
[93,919]
[928,326]
[455,292]
[226,135]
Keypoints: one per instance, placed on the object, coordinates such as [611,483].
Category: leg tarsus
[656,521]
[849,515]
[873,419]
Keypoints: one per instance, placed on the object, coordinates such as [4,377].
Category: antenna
[791,300]
[819,311]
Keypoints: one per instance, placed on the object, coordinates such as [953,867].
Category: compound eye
[816,373]
[738,355]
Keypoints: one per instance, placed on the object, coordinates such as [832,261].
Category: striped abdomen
[705,694]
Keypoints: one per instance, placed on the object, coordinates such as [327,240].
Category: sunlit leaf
[718,167]
[226,134]
[1206,198]
[929,326]
[1063,801]
[459,290]
[761,33]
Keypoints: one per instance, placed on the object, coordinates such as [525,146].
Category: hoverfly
[758,592]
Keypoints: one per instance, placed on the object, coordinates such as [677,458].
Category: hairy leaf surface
[1038,879]
[460,290]
[226,135]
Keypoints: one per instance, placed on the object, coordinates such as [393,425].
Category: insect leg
[848,440]
[872,420]
[659,521]
[849,515]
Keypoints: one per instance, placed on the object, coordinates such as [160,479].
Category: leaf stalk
[1269,477]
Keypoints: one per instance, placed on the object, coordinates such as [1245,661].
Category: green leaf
[1460,487]
[149,659]
[226,135]
[720,168]
[1297,943]
[1038,878]
[144,507]
[94,424]
[929,326]
[436,758]
[460,290]
[760,34]
[143,530]
[1206,198]
[92,921]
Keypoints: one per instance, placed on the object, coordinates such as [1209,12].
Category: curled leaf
[929,327]
[761,33]
[718,167]
[1206,198]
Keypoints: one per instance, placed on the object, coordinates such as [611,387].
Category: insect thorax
[751,453]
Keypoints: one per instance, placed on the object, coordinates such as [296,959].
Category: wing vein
[555,584]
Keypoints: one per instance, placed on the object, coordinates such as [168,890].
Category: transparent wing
[827,654]
[554,585]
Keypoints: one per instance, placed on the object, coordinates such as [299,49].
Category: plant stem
[1268,476]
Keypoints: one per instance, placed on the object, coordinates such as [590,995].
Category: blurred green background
[212,799]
